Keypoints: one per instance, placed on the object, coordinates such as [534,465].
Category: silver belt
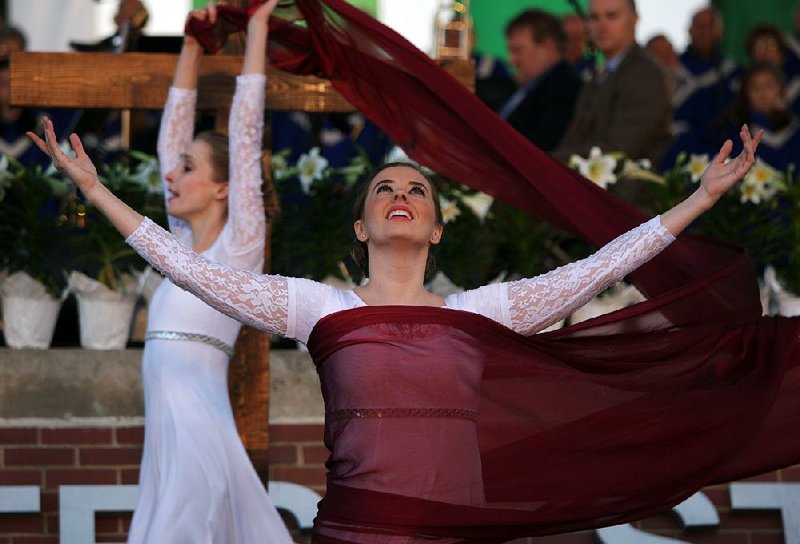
[191,337]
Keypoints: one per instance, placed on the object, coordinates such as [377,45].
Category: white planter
[105,324]
[29,312]
[29,323]
[104,316]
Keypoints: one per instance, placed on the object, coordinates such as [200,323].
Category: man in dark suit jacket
[627,106]
[542,106]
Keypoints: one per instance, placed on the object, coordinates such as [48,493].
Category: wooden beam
[141,80]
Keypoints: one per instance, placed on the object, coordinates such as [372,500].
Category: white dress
[292,306]
[197,484]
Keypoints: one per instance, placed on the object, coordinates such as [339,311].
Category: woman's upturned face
[399,206]
[764,93]
[191,184]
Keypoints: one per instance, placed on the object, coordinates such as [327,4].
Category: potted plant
[31,253]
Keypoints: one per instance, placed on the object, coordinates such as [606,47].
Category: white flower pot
[104,316]
[105,324]
[29,312]
[29,323]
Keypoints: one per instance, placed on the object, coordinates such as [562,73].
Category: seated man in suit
[542,106]
[627,106]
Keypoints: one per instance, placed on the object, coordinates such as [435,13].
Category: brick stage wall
[49,458]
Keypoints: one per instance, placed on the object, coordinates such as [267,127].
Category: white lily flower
[311,165]
[450,209]
[750,192]
[761,173]
[760,184]
[479,203]
[696,166]
[598,167]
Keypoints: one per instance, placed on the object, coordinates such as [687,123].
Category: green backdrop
[741,15]
[490,17]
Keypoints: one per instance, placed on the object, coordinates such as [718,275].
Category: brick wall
[51,457]
[296,454]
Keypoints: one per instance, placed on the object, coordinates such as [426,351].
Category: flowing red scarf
[719,384]
[574,431]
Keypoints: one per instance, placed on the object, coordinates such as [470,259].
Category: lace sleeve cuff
[660,230]
[138,233]
[179,93]
[251,78]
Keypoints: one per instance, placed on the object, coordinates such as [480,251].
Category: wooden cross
[142,80]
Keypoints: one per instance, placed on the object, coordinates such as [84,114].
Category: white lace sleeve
[536,303]
[258,300]
[246,128]
[174,136]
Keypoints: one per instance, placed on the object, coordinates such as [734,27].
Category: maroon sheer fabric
[444,126]
[444,423]
[596,424]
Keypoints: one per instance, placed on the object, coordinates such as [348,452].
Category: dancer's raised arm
[246,129]
[533,304]
[177,120]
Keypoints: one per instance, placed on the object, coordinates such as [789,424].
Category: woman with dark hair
[766,44]
[761,104]
[360,251]
[403,396]
[196,482]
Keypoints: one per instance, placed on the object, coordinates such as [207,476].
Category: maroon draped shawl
[573,430]
[595,424]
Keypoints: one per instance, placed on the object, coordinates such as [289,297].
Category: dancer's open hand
[721,175]
[79,169]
